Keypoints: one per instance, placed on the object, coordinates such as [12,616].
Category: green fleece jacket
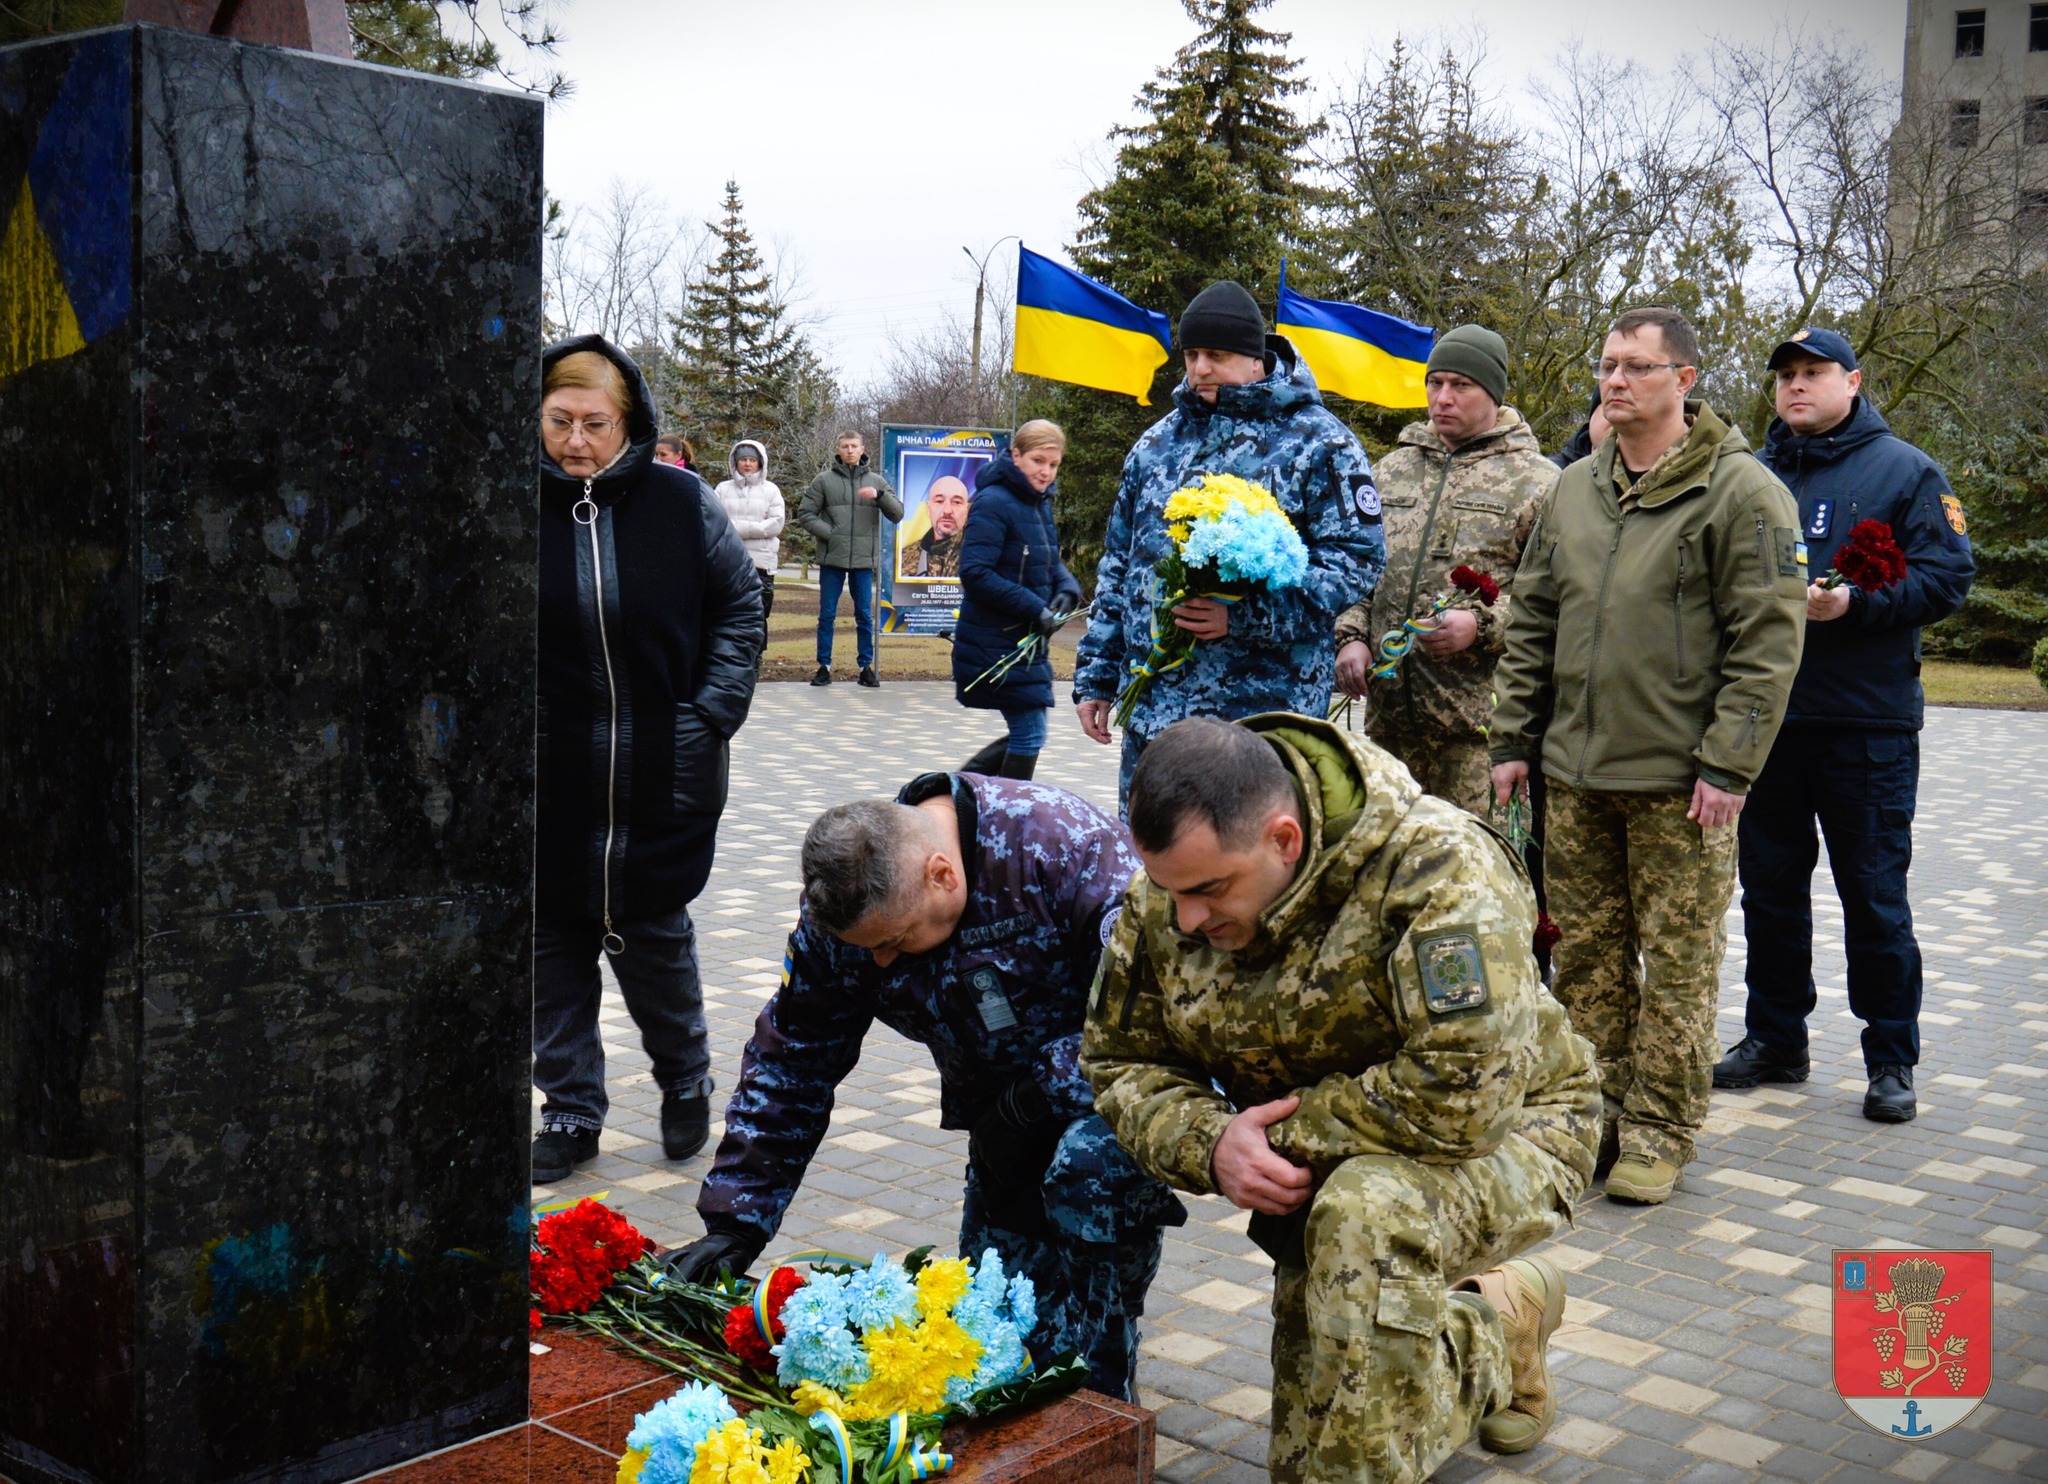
[1659,641]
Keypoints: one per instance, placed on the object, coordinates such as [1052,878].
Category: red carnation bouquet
[576,1254]
[1470,588]
[1870,558]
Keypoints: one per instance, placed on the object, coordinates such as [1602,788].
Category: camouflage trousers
[1455,769]
[1380,1370]
[1640,892]
[1107,1221]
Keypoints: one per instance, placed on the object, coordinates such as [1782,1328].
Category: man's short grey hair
[855,858]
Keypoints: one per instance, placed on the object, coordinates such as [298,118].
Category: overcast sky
[899,131]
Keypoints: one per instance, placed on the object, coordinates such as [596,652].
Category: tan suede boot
[1528,1294]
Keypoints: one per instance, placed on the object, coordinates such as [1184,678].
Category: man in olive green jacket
[1461,488]
[1319,1002]
[843,510]
[1658,617]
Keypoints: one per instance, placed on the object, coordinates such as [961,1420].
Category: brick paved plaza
[1696,1343]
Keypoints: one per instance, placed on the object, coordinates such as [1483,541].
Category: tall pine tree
[742,369]
[1209,184]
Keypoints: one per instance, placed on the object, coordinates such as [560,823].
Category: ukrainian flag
[1071,328]
[1358,353]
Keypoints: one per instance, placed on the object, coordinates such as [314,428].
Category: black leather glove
[1063,603]
[1049,621]
[714,1253]
[1011,1147]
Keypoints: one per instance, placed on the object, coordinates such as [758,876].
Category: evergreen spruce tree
[741,369]
[1209,184]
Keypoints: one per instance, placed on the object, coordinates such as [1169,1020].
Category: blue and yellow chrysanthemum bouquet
[873,1361]
[1229,536]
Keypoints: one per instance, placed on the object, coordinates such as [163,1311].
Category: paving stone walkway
[1696,1343]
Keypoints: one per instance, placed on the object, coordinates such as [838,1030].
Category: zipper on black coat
[613,943]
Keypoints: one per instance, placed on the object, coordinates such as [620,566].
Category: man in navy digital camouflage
[968,915]
[1248,406]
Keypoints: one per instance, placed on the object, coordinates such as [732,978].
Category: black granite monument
[269,373]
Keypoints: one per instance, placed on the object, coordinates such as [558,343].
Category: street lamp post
[980,287]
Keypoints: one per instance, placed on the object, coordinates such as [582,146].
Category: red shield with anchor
[1912,1336]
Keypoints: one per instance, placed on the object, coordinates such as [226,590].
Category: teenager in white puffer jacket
[754,503]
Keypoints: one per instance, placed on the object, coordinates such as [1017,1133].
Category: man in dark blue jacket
[967,915]
[1849,751]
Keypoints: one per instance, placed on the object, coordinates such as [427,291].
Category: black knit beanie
[1224,316]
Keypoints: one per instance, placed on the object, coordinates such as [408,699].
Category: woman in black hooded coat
[650,630]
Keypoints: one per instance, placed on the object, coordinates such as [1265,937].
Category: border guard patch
[1453,972]
[1953,509]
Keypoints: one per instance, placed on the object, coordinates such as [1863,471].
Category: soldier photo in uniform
[1320,1003]
[1461,489]
[967,914]
[935,553]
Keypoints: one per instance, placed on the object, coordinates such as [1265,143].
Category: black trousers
[1861,786]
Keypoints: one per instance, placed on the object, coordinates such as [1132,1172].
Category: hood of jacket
[1284,388]
[1355,796]
[1784,448]
[641,424]
[1686,466]
[732,459]
[1003,471]
[1509,434]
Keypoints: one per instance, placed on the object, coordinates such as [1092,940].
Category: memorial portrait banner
[933,469]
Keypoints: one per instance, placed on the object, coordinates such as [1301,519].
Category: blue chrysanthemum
[881,1295]
[669,1432]
[1243,547]
[997,1314]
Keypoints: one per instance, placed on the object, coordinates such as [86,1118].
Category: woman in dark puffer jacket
[1014,584]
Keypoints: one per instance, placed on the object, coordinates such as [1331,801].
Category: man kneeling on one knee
[1320,1003]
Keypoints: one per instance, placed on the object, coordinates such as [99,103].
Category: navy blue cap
[1822,345]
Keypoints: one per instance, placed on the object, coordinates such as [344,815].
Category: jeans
[658,976]
[1027,731]
[1863,787]
[830,581]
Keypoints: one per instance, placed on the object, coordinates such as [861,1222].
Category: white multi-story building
[1977,78]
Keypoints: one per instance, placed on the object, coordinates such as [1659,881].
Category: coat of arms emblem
[1912,1337]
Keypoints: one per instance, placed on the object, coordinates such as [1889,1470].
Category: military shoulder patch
[1365,498]
[1453,972]
[1791,555]
[1953,509]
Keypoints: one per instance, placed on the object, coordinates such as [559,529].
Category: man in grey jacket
[843,510]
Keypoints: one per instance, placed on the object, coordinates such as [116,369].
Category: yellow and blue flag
[1358,353]
[1071,328]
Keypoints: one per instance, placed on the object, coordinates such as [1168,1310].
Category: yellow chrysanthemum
[940,1285]
[630,1466]
[1180,530]
[810,1397]
[909,1368]
[787,1463]
[732,1455]
[1212,494]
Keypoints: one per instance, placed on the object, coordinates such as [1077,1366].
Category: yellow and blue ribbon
[929,1464]
[828,1422]
[762,1321]
[899,1439]
[1395,645]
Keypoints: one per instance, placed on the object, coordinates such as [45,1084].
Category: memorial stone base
[269,370]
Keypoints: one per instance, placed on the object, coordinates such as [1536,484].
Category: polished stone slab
[269,365]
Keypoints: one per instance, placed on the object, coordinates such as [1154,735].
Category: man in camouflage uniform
[968,915]
[1249,407]
[1461,488]
[1657,624]
[1320,1003]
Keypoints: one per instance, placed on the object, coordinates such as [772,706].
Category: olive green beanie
[1476,353]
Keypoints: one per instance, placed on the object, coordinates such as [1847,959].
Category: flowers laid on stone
[1870,559]
[1229,537]
[829,1370]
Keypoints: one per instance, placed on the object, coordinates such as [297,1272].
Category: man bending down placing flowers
[967,914]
